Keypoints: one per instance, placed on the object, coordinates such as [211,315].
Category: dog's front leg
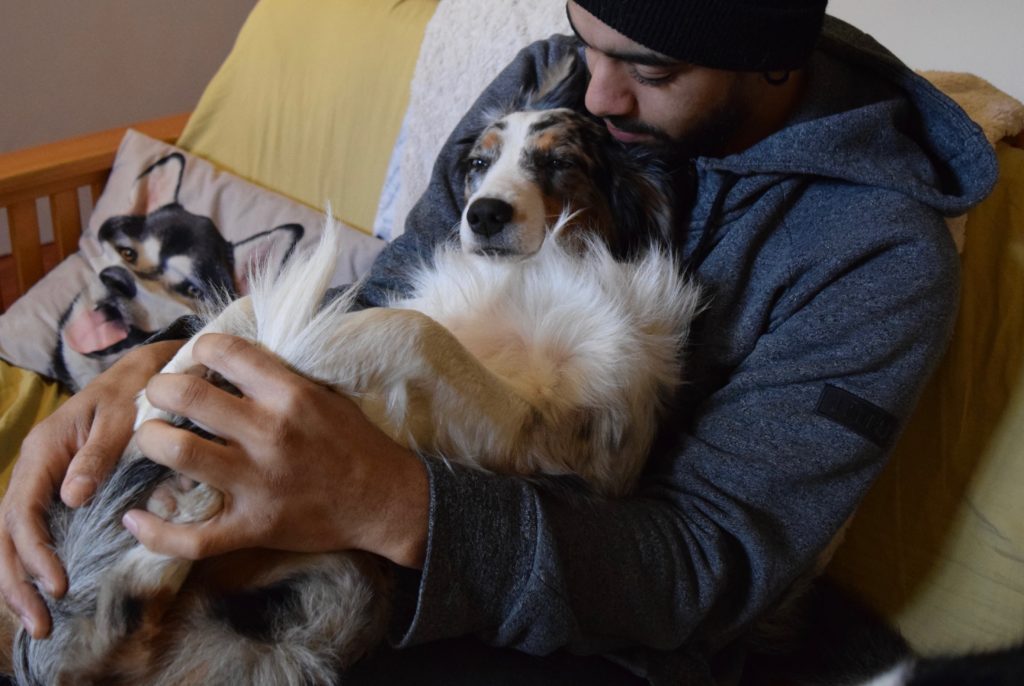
[416,381]
[237,319]
[142,575]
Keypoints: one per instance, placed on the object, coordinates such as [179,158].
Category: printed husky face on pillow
[158,262]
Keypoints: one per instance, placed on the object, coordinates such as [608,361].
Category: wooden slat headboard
[56,171]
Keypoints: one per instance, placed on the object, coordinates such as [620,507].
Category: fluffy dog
[525,348]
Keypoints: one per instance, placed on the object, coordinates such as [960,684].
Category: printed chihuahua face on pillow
[158,262]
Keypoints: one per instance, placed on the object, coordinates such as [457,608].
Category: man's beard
[708,137]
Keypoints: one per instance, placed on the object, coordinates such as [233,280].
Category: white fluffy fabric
[466,44]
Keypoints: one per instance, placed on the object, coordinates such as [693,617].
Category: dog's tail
[289,305]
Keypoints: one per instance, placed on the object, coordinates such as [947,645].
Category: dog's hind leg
[102,625]
[143,573]
[121,588]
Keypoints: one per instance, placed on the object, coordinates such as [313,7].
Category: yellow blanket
[938,544]
[25,399]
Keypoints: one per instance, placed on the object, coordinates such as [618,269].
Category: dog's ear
[562,85]
[642,198]
[157,185]
[265,252]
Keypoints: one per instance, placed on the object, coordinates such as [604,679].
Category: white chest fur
[592,344]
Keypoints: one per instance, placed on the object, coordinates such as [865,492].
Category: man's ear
[158,185]
[265,252]
[562,85]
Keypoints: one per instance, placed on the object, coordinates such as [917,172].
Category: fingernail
[129,523]
[79,489]
[29,625]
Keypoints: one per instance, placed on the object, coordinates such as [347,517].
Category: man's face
[645,97]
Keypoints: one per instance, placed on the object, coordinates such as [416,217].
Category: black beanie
[739,35]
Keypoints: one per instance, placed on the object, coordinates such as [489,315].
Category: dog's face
[113,313]
[153,268]
[523,172]
[170,250]
[530,170]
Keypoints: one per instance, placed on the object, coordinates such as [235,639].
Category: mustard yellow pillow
[311,98]
[938,545]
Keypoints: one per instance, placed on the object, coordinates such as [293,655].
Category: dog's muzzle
[119,282]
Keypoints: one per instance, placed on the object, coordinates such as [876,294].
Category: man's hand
[73,449]
[300,467]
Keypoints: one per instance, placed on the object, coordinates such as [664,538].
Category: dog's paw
[181,500]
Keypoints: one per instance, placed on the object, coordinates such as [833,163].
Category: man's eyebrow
[647,59]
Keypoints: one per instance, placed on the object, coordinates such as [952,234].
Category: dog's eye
[128,255]
[478,164]
[193,291]
[560,163]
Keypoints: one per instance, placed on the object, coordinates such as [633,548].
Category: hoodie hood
[897,132]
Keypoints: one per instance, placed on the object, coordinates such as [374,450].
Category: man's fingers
[44,455]
[255,372]
[89,467]
[91,464]
[19,594]
[197,458]
[31,539]
[37,472]
[187,395]
[186,541]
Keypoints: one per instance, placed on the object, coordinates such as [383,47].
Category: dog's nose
[118,281]
[488,216]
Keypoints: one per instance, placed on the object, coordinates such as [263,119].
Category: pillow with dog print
[171,235]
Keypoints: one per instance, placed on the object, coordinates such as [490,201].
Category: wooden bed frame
[55,172]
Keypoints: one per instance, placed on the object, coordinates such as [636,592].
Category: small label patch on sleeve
[858,415]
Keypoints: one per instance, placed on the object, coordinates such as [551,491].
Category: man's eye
[650,77]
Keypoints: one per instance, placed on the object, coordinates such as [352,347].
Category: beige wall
[68,68]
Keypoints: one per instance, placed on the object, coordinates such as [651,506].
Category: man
[822,170]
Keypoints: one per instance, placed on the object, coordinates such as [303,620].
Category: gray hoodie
[833,285]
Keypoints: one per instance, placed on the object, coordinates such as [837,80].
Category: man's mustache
[637,127]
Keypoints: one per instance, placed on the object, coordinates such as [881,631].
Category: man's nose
[608,93]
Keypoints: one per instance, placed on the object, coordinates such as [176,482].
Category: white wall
[984,37]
